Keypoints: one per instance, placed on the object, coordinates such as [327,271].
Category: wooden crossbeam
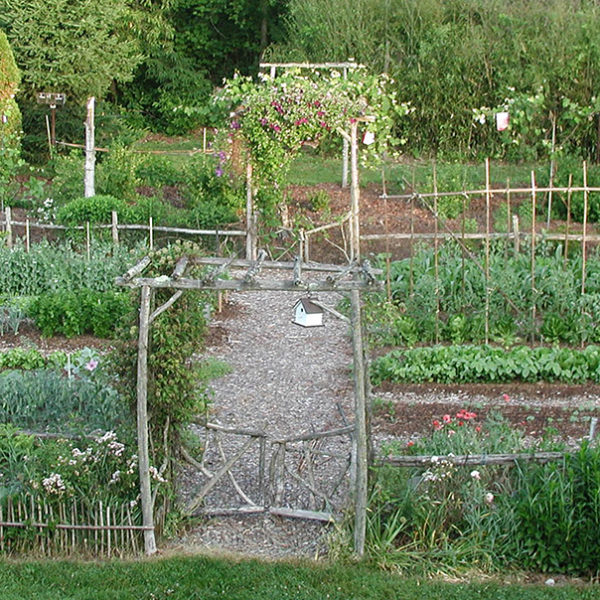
[248,286]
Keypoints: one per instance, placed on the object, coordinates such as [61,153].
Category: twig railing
[31,525]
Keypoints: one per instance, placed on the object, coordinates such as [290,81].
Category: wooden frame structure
[353,278]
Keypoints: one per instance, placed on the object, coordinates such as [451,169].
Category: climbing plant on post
[276,116]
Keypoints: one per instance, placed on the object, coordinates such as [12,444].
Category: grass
[310,169]
[203,578]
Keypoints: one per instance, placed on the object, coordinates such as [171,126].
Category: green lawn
[201,578]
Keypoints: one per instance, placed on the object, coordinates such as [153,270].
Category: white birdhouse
[307,313]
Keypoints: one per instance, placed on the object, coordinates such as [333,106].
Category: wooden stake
[151,233]
[436,257]
[115,227]
[569,193]
[90,152]
[488,195]
[250,242]
[583,240]
[533,290]
[354,194]
[27,236]
[87,240]
[360,438]
[8,216]
[142,422]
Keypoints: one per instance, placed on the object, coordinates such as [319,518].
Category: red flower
[446,418]
[437,424]
[478,428]
[409,444]
[506,397]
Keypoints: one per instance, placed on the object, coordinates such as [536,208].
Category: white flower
[489,497]
[476,475]
[53,484]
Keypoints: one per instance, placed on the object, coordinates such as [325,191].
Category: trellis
[353,278]
[512,235]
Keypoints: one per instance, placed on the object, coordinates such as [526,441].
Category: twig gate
[353,278]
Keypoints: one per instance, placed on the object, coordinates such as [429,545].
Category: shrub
[42,399]
[77,312]
[96,209]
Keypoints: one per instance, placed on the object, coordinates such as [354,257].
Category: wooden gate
[246,472]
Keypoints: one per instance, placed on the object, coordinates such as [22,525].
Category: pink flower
[476,475]
[446,418]
[90,366]
[437,424]
[489,498]
[409,444]
[506,397]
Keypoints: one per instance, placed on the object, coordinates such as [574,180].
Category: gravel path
[286,380]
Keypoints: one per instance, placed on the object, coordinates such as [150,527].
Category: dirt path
[286,380]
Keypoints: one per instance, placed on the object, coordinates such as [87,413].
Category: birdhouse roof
[309,307]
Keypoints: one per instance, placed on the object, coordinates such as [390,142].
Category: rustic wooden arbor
[352,278]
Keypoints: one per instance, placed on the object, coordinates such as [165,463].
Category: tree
[78,47]
[10,116]
[10,120]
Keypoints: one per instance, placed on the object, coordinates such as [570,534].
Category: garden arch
[353,279]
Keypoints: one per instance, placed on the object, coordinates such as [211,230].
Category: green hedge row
[487,364]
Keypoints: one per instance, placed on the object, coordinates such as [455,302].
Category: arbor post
[360,435]
[142,422]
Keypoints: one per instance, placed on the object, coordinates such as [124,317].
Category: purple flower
[219,171]
[235,125]
[91,365]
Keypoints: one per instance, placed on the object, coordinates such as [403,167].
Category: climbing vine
[275,117]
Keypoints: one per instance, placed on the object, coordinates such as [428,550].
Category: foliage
[174,394]
[276,117]
[96,209]
[460,287]
[488,364]
[557,509]
[480,54]
[69,47]
[47,400]
[53,267]
[10,120]
[211,196]
[30,358]
[71,313]
[535,515]
[98,469]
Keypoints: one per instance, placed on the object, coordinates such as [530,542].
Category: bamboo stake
[151,233]
[583,241]
[533,290]
[412,240]
[250,244]
[27,236]
[354,194]
[115,227]
[9,236]
[87,240]
[462,250]
[436,266]
[487,250]
[568,220]
[508,219]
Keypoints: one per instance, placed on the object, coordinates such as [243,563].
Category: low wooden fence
[9,224]
[30,525]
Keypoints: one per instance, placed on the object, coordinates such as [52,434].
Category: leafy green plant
[76,312]
[42,399]
[455,364]
[96,209]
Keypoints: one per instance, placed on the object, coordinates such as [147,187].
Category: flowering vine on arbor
[277,116]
